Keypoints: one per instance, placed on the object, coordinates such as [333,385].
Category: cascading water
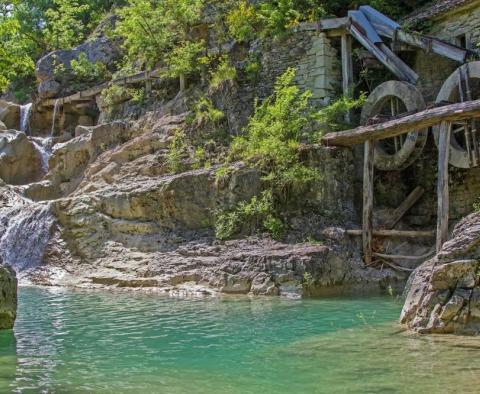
[25,231]
[44,147]
[55,110]
[25,112]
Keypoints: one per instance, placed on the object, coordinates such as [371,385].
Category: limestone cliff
[8,297]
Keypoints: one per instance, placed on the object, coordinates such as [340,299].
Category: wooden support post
[347,69]
[442,184]
[368,200]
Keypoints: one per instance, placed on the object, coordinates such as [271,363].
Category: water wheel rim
[414,142]
[458,155]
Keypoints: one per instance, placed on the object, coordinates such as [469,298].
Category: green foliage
[253,68]
[241,21]
[88,72]
[14,59]
[66,27]
[255,214]
[184,58]
[224,73]
[153,29]
[274,133]
[476,205]
[333,116]
[205,113]
[177,152]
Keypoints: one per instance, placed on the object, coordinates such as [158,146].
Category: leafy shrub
[205,113]
[177,152]
[86,71]
[183,59]
[255,214]
[241,21]
[225,72]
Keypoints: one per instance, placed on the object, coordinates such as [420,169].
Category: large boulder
[98,49]
[9,115]
[8,297]
[444,293]
[20,160]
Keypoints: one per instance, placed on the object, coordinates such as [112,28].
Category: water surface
[70,341]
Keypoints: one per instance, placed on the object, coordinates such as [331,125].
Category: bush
[241,21]
[252,215]
[205,113]
[177,152]
[224,73]
[88,72]
[184,59]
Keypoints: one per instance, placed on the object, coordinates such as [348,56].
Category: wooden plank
[426,43]
[391,63]
[420,120]
[332,24]
[359,19]
[347,70]
[395,233]
[442,184]
[400,257]
[405,206]
[368,171]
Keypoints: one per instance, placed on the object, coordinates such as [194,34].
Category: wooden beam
[442,184]
[394,64]
[347,69]
[409,202]
[368,171]
[420,120]
[400,257]
[395,233]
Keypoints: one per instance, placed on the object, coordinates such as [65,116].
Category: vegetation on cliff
[152,31]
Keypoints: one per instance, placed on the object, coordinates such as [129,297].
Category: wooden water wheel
[462,85]
[389,100]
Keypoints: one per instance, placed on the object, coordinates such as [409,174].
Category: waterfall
[25,112]
[55,110]
[26,232]
[44,147]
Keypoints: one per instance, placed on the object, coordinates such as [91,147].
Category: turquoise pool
[73,341]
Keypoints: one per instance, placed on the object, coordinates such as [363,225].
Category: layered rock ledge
[444,293]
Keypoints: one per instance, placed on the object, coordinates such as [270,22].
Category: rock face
[444,293]
[123,219]
[9,115]
[8,297]
[20,161]
[99,49]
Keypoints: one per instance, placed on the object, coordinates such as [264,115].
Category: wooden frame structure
[367,135]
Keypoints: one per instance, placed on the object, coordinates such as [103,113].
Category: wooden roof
[436,9]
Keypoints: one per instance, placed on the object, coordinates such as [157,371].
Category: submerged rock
[444,293]
[8,297]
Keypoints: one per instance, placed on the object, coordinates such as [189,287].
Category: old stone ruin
[88,199]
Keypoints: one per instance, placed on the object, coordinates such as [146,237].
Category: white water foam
[25,112]
[25,230]
[55,110]
[44,147]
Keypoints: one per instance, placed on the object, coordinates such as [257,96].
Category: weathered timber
[420,120]
[395,233]
[442,184]
[400,257]
[408,203]
[386,27]
[368,171]
[391,63]
[347,69]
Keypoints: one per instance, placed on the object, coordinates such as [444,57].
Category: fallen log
[420,120]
